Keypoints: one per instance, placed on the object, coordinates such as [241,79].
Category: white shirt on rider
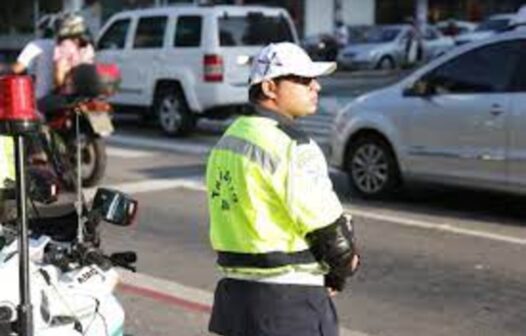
[37,57]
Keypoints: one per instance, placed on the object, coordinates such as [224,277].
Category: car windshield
[493,25]
[358,34]
[254,29]
[381,35]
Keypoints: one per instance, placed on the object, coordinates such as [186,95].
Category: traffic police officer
[282,240]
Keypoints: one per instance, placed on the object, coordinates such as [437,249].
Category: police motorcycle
[56,280]
[92,84]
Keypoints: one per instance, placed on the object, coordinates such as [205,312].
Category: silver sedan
[384,47]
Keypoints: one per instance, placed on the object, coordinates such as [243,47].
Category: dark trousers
[246,308]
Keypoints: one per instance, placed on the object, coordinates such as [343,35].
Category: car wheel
[173,114]
[386,63]
[372,167]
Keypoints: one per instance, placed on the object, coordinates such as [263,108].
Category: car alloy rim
[369,168]
[169,113]
[385,64]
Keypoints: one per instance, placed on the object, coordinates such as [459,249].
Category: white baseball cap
[285,58]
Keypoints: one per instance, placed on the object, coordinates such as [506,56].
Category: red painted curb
[165,298]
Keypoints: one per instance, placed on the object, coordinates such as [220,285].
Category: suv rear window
[150,32]
[188,31]
[253,30]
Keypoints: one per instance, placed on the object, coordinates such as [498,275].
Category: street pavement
[434,263]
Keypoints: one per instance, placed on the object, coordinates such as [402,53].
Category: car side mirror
[115,207]
[420,88]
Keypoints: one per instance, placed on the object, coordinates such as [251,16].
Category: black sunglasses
[306,81]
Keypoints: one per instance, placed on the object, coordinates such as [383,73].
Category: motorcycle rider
[283,243]
[37,58]
[73,48]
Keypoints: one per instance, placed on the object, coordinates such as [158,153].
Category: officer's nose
[315,85]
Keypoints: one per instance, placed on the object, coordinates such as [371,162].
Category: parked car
[183,62]
[458,120]
[324,47]
[384,47]
[487,28]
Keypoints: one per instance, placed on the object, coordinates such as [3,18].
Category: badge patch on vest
[224,190]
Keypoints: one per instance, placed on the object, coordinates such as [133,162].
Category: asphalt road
[436,261]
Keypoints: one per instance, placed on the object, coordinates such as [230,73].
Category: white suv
[459,120]
[184,62]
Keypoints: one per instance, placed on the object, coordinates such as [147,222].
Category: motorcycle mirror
[115,207]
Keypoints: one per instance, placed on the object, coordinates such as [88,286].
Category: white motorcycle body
[73,303]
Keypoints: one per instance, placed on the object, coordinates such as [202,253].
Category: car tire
[173,115]
[372,167]
[386,63]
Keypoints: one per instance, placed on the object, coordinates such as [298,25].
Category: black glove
[335,281]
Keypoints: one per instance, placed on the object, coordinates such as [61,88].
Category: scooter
[92,85]
[96,125]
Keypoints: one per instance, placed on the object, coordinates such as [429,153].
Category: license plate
[101,123]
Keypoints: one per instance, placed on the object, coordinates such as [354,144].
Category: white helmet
[71,25]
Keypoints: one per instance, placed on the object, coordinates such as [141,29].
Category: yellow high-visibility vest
[267,189]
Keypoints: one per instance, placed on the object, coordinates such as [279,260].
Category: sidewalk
[148,316]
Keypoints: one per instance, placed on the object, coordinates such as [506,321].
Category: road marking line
[151,186]
[444,227]
[198,184]
[171,292]
[127,153]
[166,291]
[158,144]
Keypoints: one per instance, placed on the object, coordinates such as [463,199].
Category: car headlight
[373,53]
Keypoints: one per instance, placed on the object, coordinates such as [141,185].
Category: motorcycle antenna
[79,203]
[18,118]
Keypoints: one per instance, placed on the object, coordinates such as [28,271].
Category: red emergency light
[17,105]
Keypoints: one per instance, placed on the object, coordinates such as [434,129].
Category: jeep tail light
[213,68]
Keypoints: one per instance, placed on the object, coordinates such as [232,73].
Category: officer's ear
[269,88]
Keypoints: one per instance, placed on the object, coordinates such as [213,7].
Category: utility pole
[72,5]
[338,17]
[36,15]
[421,13]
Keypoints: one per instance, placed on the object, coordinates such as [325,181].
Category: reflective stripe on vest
[264,260]
[249,150]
